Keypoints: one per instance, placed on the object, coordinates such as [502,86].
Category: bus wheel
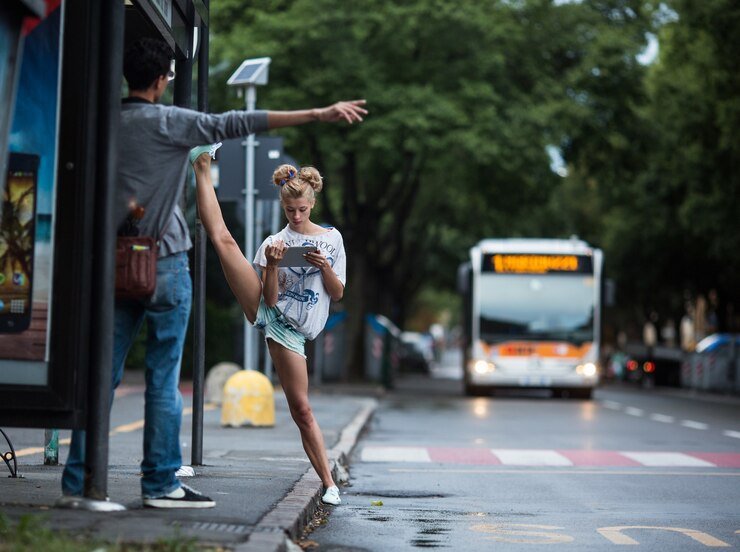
[474,390]
[582,393]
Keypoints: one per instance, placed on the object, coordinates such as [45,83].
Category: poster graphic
[26,217]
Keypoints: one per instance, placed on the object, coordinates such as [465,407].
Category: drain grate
[232,528]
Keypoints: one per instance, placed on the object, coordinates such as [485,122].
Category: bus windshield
[549,307]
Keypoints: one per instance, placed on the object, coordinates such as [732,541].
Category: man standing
[154,142]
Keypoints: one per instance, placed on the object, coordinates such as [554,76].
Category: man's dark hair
[144,61]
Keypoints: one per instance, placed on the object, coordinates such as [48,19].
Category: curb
[289,517]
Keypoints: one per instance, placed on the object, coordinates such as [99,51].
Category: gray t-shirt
[302,297]
[153,145]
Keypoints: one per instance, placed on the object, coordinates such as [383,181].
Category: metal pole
[251,99]
[199,279]
[110,45]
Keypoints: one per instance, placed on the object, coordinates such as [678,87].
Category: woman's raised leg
[240,275]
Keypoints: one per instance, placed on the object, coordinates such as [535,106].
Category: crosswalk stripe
[555,458]
[523,457]
[666,459]
[395,454]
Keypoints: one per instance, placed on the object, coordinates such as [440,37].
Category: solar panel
[251,71]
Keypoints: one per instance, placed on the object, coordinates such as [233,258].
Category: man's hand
[342,111]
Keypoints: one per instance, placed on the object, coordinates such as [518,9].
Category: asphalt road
[658,470]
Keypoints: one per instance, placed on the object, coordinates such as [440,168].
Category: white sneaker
[185,471]
[331,496]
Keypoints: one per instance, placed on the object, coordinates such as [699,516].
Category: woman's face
[297,210]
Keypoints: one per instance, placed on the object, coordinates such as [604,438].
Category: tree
[464,99]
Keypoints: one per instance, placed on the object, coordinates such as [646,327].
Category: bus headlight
[588,369]
[483,367]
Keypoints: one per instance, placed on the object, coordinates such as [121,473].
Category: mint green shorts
[272,322]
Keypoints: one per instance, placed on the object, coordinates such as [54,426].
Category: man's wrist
[315,114]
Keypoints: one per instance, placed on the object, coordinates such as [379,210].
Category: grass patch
[30,535]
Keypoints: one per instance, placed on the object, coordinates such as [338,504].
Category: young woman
[290,304]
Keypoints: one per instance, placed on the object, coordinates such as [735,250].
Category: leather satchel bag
[136,267]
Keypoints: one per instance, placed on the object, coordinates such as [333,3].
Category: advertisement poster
[27,214]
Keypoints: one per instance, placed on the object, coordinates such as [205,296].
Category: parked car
[417,351]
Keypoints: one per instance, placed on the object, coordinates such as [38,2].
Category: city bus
[532,314]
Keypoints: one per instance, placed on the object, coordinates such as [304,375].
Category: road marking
[576,471]
[518,533]
[560,458]
[611,405]
[615,535]
[462,455]
[730,433]
[720,459]
[395,454]
[521,457]
[597,458]
[128,428]
[38,450]
[667,459]
[124,428]
[632,411]
[662,418]
[694,425]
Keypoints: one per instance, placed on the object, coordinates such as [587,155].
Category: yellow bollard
[248,399]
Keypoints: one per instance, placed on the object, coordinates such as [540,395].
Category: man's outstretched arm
[351,112]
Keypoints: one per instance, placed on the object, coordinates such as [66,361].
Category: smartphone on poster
[17,237]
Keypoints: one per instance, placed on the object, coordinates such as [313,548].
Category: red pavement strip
[597,458]
[719,459]
[462,456]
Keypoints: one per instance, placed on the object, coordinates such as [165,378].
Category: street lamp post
[250,74]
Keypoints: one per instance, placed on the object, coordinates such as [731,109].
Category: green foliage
[30,534]
[464,99]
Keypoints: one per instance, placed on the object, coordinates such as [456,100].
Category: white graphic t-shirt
[302,297]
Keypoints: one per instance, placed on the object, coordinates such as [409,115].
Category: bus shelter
[60,92]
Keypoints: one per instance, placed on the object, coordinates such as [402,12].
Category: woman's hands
[318,260]
[274,253]
[333,286]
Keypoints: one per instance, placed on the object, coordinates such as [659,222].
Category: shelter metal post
[199,277]
[109,44]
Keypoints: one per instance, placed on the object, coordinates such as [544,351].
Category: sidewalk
[262,482]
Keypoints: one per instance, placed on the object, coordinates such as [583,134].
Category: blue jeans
[167,313]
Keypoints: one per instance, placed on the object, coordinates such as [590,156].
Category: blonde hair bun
[283,174]
[312,177]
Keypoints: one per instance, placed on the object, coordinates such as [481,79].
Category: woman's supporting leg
[292,371]
[240,275]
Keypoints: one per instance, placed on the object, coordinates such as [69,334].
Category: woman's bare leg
[292,371]
[240,275]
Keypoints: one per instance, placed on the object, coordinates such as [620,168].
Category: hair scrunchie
[291,176]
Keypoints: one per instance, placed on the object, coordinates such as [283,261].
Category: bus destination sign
[536,264]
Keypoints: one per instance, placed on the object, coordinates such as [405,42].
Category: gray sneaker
[182,497]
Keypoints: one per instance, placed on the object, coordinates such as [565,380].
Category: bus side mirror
[463,278]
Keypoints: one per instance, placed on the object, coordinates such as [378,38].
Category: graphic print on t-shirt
[302,297]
